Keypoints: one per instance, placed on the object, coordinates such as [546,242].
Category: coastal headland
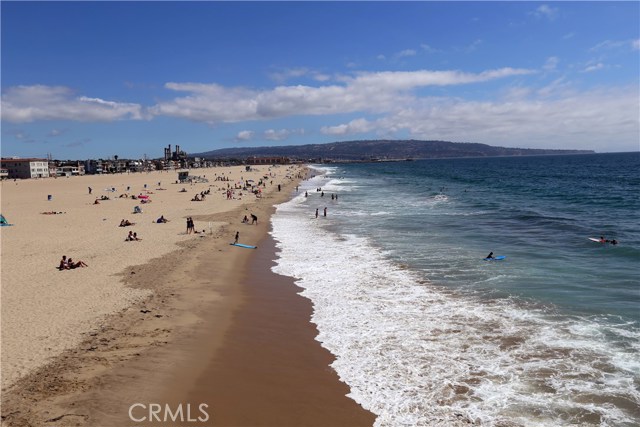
[174,329]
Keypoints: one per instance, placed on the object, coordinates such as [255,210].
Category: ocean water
[423,329]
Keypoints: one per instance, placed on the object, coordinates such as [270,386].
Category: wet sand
[270,371]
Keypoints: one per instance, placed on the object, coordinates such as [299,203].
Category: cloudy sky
[97,79]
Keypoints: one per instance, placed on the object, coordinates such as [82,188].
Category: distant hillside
[381,149]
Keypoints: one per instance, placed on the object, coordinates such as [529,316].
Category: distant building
[4,173]
[268,161]
[70,169]
[93,167]
[25,168]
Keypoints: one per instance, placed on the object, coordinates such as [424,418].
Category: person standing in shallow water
[325,211]
[316,213]
[237,237]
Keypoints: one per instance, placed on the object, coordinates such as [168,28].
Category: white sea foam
[414,353]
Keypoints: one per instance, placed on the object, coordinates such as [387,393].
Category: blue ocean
[423,328]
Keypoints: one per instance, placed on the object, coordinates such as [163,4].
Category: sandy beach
[145,321]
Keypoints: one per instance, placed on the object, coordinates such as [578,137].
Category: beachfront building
[70,169]
[25,168]
[4,173]
[93,166]
[267,160]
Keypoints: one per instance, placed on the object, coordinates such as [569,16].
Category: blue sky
[98,79]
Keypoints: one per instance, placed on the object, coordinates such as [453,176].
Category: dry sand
[45,311]
[148,321]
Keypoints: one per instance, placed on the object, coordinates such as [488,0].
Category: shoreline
[270,370]
[164,342]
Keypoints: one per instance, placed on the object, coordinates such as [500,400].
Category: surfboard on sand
[243,245]
[496,258]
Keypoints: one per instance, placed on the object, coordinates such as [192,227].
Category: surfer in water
[490,256]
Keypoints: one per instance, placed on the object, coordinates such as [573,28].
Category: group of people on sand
[132,237]
[254,219]
[190,225]
[126,223]
[70,264]
[97,201]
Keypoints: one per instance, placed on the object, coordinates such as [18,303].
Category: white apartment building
[26,168]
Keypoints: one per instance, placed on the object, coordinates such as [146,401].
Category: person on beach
[316,212]
[325,211]
[90,190]
[132,237]
[490,256]
[245,220]
[254,219]
[126,223]
[64,264]
[162,220]
[237,237]
[73,264]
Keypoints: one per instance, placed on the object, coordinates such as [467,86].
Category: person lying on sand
[126,223]
[52,213]
[67,264]
[162,219]
[73,264]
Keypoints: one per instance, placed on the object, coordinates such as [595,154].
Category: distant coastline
[381,150]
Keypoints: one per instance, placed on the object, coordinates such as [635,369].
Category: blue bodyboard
[243,245]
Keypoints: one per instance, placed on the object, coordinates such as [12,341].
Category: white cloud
[21,104]
[372,92]
[353,127]
[616,44]
[594,67]
[551,63]
[473,46]
[566,120]
[282,134]
[546,11]
[244,135]
[405,53]
[56,132]
[428,48]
